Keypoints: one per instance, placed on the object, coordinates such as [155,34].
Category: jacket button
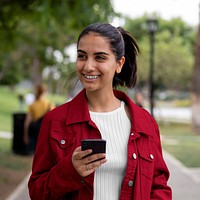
[130,183]
[151,156]
[132,133]
[83,181]
[134,156]
[62,141]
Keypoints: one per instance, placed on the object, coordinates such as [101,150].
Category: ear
[120,64]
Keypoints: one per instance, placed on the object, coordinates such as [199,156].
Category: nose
[89,65]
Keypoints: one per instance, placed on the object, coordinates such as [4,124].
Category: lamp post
[152,26]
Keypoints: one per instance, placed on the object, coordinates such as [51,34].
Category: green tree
[173,52]
[29,27]
[196,87]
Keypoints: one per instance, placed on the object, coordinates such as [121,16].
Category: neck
[102,102]
[41,96]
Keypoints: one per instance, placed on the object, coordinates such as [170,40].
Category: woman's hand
[27,122]
[87,165]
[26,139]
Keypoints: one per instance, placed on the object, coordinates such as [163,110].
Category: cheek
[78,71]
[112,70]
[78,66]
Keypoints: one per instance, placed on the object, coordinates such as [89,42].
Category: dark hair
[122,44]
[39,90]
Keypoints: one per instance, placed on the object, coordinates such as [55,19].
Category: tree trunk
[196,113]
[35,71]
[196,88]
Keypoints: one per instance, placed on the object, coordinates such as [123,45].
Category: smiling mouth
[90,76]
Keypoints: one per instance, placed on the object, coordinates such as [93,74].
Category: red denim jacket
[54,177]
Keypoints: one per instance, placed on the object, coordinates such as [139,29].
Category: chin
[90,89]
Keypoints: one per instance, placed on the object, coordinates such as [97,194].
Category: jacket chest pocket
[61,144]
[146,157]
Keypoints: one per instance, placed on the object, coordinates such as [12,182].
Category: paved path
[21,192]
[4,134]
[185,182]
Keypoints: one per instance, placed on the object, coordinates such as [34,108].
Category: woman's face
[96,63]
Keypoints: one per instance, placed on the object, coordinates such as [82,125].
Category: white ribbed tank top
[115,129]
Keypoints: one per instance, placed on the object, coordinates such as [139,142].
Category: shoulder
[141,119]
[32,105]
[73,111]
[58,112]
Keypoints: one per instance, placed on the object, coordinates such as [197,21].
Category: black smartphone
[97,145]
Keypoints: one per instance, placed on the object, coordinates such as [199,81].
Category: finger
[86,153]
[76,152]
[78,149]
[88,169]
[94,157]
[79,154]
[94,165]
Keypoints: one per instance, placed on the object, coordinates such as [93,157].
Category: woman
[133,167]
[36,111]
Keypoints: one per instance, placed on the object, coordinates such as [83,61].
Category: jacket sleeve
[51,179]
[160,189]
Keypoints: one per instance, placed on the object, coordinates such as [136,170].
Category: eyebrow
[97,53]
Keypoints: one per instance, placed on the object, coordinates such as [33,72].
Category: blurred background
[38,43]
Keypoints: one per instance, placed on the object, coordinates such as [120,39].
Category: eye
[100,58]
[81,56]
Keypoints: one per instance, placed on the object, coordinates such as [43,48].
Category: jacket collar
[78,109]
[141,120]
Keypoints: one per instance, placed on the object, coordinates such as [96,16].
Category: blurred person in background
[139,99]
[36,110]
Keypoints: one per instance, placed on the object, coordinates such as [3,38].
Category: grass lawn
[178,140]
[9,105]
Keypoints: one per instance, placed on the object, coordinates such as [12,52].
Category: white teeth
[90,77]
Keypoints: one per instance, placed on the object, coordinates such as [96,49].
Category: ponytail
[128,75]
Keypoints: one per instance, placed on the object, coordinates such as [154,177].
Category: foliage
[28,28]
[36,31]
[174,56]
